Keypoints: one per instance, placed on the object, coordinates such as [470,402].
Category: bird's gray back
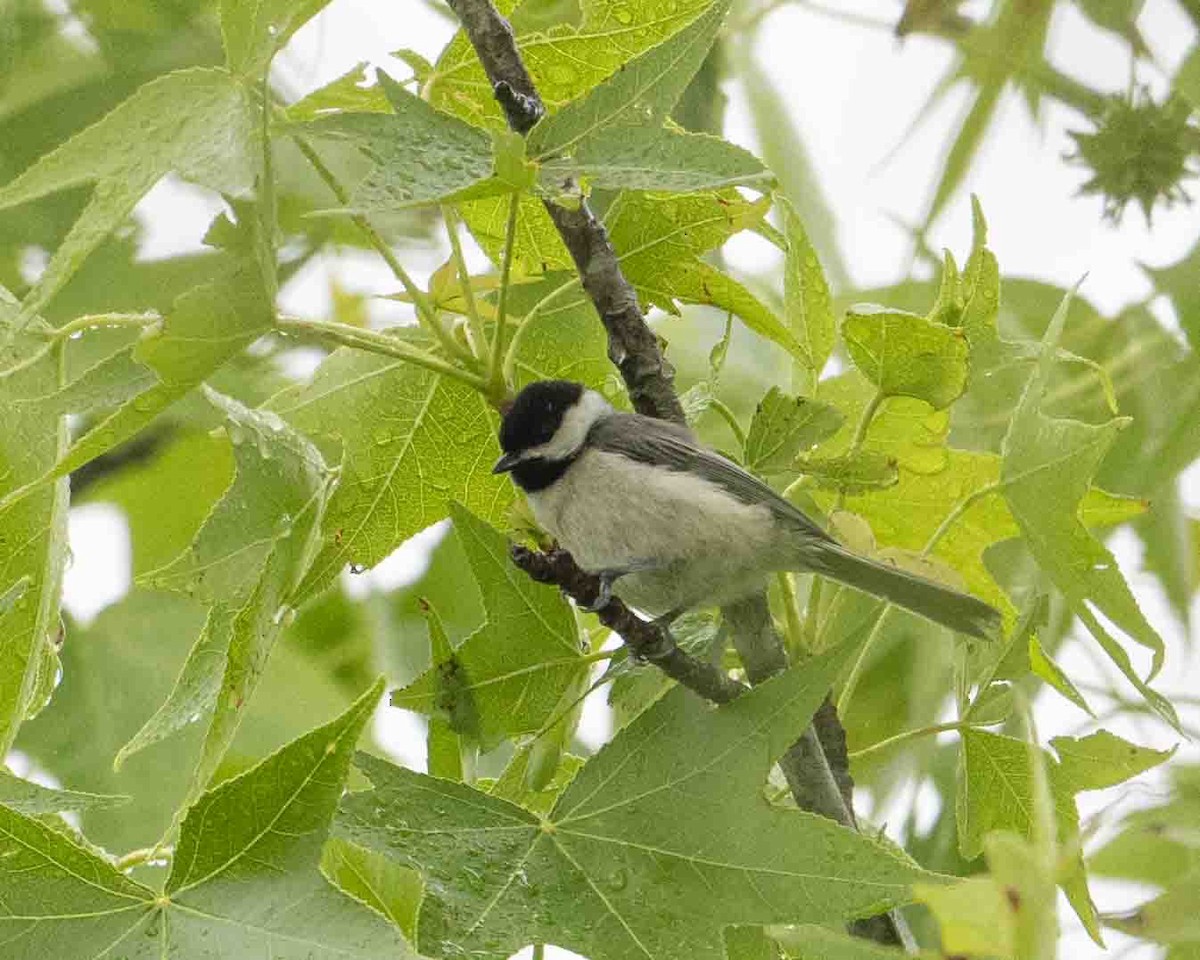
[663,444]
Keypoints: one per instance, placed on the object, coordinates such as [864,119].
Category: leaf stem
[474,321]
[496,370]
[426,312]
[510,357]
[956,514]
[728,416]
[136,858]
[936,728]
[381,343]
[796,640]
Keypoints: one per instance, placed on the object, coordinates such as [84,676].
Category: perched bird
[637,500]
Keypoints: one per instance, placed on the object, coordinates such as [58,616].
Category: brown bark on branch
[632,346]
[649,380]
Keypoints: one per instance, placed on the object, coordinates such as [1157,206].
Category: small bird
[637,500]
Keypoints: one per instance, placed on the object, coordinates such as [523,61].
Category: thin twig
[474,321]
[375,342]
[496,370]
[426,312]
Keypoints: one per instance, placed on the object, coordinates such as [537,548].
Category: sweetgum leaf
[196,123]
[1102,760]
[244,878]
[508,677]
[970,488]
[808,308]
[784,426]
[564,61]
[647,159]
[905,355]
[659,239]
[255,30]
[205,329]
[663,838]
[1047,467]
[563,339]
[27,797]
[409,442]
[393,890]
[412,156]
[245,564]
[995,792]
[639,95]
[33,532]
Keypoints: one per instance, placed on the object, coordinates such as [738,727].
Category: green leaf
[443,745]
[412,156]
[537,247]
[561,336]
[659,237]
[245,563]
[33,799]
[352,92]
[196,123]
[808,309]
[648,159]
[255,30]
[509,676]
[851,473]
[975,917]
[244,878]
[564,61]
[905,355]
[1101,760]
[817,943]
[1180,281]
[661,839]
[408,442]
[1047,467]
[205,329]
[33,532]
[783,426]
[391,889]
[201,463]
[640,94]
[996,792]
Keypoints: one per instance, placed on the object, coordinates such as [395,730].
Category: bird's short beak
[506,463]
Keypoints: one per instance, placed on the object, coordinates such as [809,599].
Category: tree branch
[646,641]
[632,345]
[649,380]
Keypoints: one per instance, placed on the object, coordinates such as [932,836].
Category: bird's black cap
[537,413]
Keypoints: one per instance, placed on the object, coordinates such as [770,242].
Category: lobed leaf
[1048,464]
[409,442]
[196,123]
[245,563]
[639,95]
[509,676]
[783,426]
[244,878]
[663,838]
[808,308]
[905,355]
[33,534]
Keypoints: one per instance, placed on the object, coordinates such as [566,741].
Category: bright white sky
[854,91]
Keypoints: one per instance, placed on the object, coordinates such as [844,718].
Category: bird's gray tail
[944,605]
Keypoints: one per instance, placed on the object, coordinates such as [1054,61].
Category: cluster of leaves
[962,437]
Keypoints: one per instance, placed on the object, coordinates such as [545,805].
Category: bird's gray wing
[660,443]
